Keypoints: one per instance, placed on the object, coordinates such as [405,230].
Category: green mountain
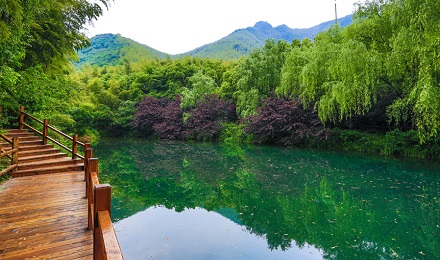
[110,49]
[243,41]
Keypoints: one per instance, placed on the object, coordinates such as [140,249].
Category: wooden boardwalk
[44,212]
[45,217]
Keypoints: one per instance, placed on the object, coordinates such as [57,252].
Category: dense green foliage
[378,75]
[111,93]
[4,178]
[37,40]
[391,50]
[392,143]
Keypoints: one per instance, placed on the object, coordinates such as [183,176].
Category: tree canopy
[381,73]
[390,49]
[38,38]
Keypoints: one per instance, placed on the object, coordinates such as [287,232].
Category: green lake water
[177,200]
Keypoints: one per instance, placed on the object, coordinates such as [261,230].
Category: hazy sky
[177,26]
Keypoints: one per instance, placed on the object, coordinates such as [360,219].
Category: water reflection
[195,234]
[346,206]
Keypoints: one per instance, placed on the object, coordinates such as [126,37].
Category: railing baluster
[74,146]
[91,168]
[15,141]
[21,118]
[45,131]
[88,153]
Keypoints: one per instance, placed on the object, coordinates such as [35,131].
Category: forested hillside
[110,49]
[372,86]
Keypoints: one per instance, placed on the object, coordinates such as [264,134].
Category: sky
[177,26]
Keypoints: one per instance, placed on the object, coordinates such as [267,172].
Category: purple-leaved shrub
[284,121]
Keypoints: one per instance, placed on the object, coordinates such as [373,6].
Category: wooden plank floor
[45,217]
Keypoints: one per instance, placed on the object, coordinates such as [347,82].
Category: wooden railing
[105,243]
[45,133]
[11,153]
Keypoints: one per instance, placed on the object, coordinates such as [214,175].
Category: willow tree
[415,63]
[405,33]
[259,75]
[337,74]
[391,47]
[291,81]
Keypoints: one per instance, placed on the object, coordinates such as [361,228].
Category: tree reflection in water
[348,206]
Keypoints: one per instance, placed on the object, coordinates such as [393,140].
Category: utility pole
[336,14]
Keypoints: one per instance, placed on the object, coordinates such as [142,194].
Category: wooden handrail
[34,118]
[13,151]
[105,242]
[45,133]
[32,129]
[7,139]
[107,237]
[59,132]
[8,152]
[10,168]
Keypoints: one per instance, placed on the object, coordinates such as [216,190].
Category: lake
[183,200]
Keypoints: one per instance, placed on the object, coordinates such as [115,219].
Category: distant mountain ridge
[241,42]
[110,49]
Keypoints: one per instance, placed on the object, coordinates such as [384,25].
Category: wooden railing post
[88,153]
[15,141]
[21,118]
[45,131]
[74,146]
[86,145]
[102,198]
[92,167]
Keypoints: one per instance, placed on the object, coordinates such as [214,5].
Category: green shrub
[234,133]
[408,144]
[90,135]
[393,143]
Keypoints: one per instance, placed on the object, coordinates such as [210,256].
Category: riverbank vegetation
[373,86]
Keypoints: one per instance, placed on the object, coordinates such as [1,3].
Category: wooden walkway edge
[45,216]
